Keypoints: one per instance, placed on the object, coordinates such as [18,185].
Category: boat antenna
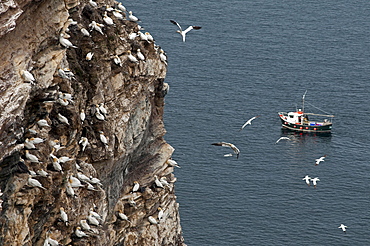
[304,95]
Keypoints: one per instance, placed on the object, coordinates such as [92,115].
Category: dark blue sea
[258,57]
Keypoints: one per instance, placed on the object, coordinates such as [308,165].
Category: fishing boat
[299,120]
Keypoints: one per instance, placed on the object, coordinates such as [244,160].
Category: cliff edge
[82,123]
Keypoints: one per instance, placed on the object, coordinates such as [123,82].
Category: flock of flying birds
[307,178]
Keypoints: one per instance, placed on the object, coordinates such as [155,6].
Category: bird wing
[187,30]
[177,24]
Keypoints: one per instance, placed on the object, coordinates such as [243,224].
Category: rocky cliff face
[45,85]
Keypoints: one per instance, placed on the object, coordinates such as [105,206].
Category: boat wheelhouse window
[291,116]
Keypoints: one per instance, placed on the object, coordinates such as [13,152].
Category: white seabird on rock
[92,3]
[103,139]
[152,220]
[97,27]
[183,33]
[160,213]
[85,32]
[131,57]
[42,123]
[82,115]
[27,76]
[132,17]
[123,216]
[149,37]
[65,42]
[28,144]
[75,182]
[89,56]
[94,214]
[71,22]
[132,36]
[31,157]
[157,182]
[230,145]
[107,19]
[172,163]
[140,55]
[70,191]
[42,173]
[102,109]
[163,56]
[36,140]
[85,226]
[63,119]
[84,142]
[56,165]
[121,7]
[317,161]
[64,216]
[80,233]
[136,186]
[98,115]
[118,15]
[95,181]
[117,60]
[249,122]
[34,183]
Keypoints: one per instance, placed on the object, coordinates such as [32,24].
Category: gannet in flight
[314,181]
[307,179]
[343,227]
[249,122]
[232,146]
[317,161]
[282,139]
[183,33]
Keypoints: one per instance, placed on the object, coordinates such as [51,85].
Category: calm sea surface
[257,58]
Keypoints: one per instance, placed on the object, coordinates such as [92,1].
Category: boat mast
[302,117]
[304,95]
